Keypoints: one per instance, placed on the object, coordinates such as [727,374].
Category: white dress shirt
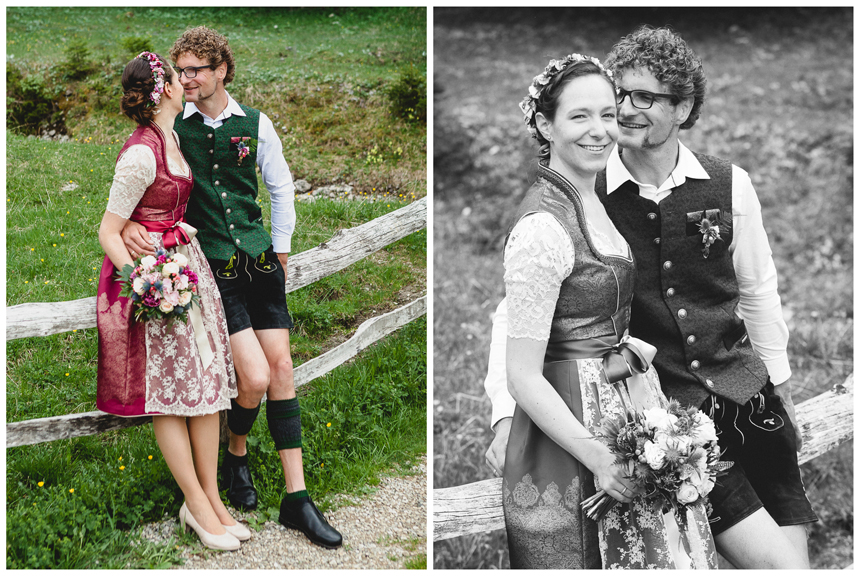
[273,168]
[759,303]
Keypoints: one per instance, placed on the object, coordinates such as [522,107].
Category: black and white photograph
[642,288]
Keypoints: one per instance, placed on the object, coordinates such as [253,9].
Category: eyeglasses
[641,99]
[191,71]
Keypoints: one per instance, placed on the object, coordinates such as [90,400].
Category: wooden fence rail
[344,248]
[825,422]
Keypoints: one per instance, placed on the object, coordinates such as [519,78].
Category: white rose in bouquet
[184,298]
[660,419]
[170,269]
[180,260]
[703,429]
[655,456]
[148,262]
[165,307]
[138,285]
[687,493]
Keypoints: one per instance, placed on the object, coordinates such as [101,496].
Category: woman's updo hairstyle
[138,86]
[547,88]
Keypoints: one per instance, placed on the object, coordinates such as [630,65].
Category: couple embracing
[197,206]
[627,230]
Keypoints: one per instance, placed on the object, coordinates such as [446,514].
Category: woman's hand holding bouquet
[671,454]
[160,286]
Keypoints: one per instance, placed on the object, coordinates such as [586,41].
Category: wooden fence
[344,248]
[825,421]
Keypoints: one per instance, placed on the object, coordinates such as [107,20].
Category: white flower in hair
[539,82]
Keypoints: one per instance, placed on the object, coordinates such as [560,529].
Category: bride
[569,278]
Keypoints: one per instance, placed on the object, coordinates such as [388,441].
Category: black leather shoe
[302,514]
[236,480]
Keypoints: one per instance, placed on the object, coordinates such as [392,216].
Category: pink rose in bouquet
[160,286]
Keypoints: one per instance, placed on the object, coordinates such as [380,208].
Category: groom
[223,142]
[691,286]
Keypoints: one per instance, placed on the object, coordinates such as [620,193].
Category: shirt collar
[231,109]
[688,166]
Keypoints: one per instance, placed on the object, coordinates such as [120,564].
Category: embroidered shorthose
[252,291]
[759,438]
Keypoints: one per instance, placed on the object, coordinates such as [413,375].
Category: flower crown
[157,69]
[529,103]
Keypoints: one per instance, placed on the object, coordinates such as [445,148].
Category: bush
[77,64]
[30,101]
[134,45]
[408,95]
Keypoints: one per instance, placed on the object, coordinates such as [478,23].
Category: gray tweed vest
[684,303]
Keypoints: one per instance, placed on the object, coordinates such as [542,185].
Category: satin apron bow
[178,235]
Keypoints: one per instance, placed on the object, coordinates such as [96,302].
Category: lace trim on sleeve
[538,257]
[135,172]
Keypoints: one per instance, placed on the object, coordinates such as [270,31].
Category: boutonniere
[245,145]
[708,224]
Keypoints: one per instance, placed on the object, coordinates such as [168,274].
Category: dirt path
[383,531]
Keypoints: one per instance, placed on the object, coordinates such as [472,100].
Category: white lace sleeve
[135,172]
[538,257]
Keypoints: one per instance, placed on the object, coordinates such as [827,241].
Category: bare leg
[173,440]
[797,535]
[203,432]
[252,372]
[276,346]
[758,542]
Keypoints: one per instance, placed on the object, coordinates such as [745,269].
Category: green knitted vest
[223,204]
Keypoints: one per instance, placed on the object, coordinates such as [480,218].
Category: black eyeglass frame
[195,69]
[621,94]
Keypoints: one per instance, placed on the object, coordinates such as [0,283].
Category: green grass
[775,108]
[319,74]
[332,115]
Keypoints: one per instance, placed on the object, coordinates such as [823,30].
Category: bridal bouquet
[670,452]
[160,286]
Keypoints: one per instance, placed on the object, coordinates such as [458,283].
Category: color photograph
[216,264]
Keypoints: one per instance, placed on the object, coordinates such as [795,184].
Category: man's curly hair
[668,57]
[206,44]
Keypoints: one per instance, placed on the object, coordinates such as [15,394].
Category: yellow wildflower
[41,484]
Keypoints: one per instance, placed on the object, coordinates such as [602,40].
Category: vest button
[670,292]
[667,265]
[652,216]
[223,194]
[229,210]
[217,182]
[231,226]
[215,167]
[212,151]
[656,240]
[694,365]
[682,313]
[209,136]
[691,339]
[709,382]
[238,241]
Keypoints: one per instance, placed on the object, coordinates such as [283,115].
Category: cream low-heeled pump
[239,530]
[225,541]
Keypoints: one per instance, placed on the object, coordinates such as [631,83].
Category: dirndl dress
[557,265]
[148,367]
